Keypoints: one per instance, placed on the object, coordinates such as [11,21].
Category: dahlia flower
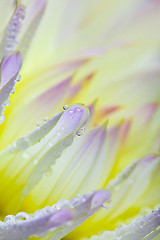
[79,119]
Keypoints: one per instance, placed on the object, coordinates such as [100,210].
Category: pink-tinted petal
[80,85]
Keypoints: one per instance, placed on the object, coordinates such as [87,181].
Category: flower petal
[9,40]
[31,22]
[9,70]
[25,168]
[59,219]
[31,109]
[33,137]
[143,228]
[134,190]
[90,155]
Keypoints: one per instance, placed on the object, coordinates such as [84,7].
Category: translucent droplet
[9,218]
[48,173]
[7,103]
[2,118]
[65,107]
[46,119]
[13,90]
[80,132]
[50,144]
[22,216]
[35,161]
[18,78]
[107,204]
[39,124]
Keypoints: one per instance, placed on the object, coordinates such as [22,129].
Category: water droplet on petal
[46,119]
[39,124]
[21,216]
[18,78]
[2,118]
[35,161]
[13,90]
[9,218]
[65,107]
[80,132]
[7,103]
[107,204]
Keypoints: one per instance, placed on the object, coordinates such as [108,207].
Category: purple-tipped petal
[9,70]
[50,221]
[60,217]
[86,158]
[133,189]
[99,198]
[37,152]
[10,67]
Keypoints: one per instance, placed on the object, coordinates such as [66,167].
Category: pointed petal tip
[10,67]
[100,198]
[148,159]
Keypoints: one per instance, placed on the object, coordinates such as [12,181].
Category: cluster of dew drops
[80,132]
[7,102]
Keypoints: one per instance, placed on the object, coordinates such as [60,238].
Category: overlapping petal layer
[57,220]
[146,228]
[107,53]
[25,162]
[134,192]
[9,70]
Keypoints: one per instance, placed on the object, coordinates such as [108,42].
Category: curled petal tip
[100,198]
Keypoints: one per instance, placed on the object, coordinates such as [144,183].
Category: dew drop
[50,144]
[2,118]
[9,218]
[65,107]
[46,119]
[35,161]
[107,204]
[21,216]
[80,132]
[39,124]
[18,78]
[7,103]
[48,173]
[13,90]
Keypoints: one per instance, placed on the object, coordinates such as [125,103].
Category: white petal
[59,219]
[145,228]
